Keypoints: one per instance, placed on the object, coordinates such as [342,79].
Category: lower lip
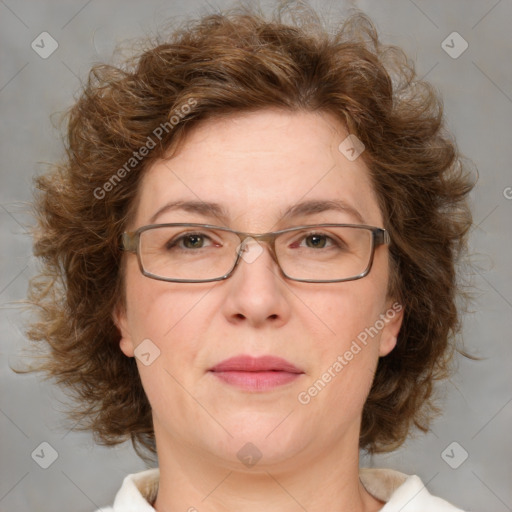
[257,381]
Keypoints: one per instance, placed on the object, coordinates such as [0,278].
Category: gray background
[477,89]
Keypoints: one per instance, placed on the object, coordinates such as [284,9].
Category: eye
[315,241]
[190,241]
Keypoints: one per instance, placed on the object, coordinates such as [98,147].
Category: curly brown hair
[229,63]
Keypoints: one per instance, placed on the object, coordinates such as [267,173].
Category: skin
[256,165]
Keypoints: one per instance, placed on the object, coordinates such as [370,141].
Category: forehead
[256,166]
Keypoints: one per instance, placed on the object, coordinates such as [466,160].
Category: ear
[392,317]
[121,322]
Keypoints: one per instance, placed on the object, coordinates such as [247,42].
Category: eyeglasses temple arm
[382,237]
[129,241]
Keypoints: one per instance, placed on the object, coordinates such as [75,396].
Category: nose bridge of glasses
[258,237]
[254,239]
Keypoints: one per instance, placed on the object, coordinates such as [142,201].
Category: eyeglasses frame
[131,243]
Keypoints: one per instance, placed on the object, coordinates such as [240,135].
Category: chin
[266,437]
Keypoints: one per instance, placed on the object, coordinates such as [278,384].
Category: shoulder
[137,493]
[401,492]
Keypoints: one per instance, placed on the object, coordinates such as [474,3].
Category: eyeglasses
[199,253]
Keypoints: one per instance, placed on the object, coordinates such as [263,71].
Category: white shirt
[400,492]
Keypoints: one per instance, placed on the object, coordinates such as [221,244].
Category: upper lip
[255,364]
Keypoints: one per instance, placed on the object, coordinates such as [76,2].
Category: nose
[249,250]
[256,292]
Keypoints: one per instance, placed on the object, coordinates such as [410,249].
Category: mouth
[256,374]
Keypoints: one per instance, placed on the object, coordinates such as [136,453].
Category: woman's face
[256,166]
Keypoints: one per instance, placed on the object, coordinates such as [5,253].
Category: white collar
[400,492]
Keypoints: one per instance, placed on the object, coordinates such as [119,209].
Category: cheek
[348,354]
[348,309]
[157,308]
[170,317]
[338,386]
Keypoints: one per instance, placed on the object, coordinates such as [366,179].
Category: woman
[250,265]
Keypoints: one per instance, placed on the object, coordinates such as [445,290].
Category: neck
[194,481]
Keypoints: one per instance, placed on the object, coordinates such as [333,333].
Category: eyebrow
[199,207]
[301,209]
[313,206]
